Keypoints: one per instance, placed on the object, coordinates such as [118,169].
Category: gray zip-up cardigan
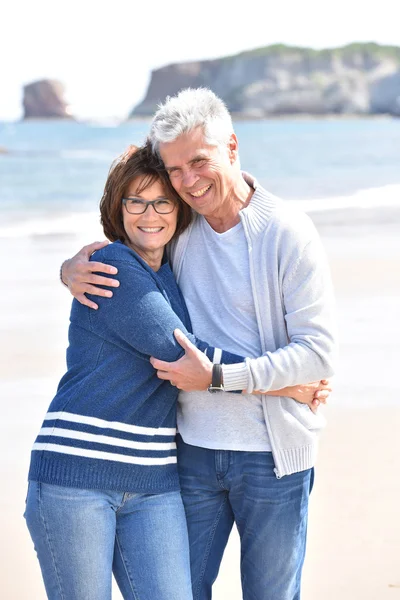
[293,297]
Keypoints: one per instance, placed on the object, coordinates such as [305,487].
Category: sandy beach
[354,530]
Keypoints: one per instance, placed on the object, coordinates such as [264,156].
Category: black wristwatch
[216,380]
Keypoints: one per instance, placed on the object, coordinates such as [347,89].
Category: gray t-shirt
[215,281]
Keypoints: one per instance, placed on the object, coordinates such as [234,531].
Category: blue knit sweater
[112,423]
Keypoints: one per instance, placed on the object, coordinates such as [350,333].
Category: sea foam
[385,196]
[88,223]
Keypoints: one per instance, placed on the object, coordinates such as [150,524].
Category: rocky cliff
[45,100]
[282,80]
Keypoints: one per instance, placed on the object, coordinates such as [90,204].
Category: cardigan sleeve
[311,330]
[140,318]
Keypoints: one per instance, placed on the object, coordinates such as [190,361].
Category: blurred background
[314,91]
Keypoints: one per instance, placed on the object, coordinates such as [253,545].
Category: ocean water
[52,173]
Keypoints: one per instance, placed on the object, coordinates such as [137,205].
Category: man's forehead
[184,149]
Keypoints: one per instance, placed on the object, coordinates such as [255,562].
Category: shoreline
[236,117]
[365,208]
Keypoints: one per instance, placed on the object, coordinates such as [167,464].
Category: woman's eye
[134,201]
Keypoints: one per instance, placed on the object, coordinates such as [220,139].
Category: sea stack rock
[45,100]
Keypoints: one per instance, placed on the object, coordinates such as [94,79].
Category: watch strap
[216,379]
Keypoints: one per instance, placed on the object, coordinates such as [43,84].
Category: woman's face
[149,232]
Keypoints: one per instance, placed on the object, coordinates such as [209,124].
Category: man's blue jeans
[220,487]
[81,536]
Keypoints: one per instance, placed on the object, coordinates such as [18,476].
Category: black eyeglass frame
[147,203]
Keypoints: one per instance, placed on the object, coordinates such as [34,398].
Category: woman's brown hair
[135,162]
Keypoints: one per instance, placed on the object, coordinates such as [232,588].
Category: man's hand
[77,274]
[191,372]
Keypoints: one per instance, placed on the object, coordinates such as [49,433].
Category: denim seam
[99,353]
[48,538]
[131,585]
[208,548]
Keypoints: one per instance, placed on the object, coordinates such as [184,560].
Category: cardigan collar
[258,212]
[260,208]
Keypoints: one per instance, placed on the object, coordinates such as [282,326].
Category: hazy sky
[104,52]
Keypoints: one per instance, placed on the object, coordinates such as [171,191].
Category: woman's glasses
[137,206]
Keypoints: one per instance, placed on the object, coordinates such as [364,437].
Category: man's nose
[189,178]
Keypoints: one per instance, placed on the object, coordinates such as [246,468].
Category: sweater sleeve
[311,329]
[140,318]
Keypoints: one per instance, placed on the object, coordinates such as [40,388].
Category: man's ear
[233,148]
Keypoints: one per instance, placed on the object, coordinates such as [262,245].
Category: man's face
[202,175]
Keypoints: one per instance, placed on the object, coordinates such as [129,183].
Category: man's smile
[201,192]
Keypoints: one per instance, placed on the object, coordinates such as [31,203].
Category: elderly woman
[103,483]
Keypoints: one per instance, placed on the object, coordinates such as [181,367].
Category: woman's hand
[313,394]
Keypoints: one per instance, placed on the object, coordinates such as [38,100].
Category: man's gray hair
[187,110]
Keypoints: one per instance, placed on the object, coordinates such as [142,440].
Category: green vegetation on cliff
[370,48]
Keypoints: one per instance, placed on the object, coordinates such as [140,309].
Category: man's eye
[200,162]
[173,172]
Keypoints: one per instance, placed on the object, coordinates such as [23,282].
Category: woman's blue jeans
[222,487]
[82,536]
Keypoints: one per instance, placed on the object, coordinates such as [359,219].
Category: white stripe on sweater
[134,460]
[217,356]
[95,422]
[105,439]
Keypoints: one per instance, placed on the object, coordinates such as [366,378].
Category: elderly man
[256,282]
